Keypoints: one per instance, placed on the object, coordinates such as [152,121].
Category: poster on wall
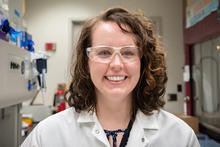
[197,10]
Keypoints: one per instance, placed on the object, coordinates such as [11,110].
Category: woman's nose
[116,63]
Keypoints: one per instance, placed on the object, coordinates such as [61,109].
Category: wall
[50,21]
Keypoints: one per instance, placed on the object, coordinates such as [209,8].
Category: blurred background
[37,43]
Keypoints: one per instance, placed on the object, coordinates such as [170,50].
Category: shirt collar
[148,121]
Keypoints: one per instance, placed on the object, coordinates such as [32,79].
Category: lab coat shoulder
[175,130]
[171,121]
[161,129]
[51,131]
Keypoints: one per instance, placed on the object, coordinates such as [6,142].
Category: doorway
[206,81]
[76,30]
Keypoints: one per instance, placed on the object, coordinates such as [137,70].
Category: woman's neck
[114,115]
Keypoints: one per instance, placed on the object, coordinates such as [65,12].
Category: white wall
[50,21]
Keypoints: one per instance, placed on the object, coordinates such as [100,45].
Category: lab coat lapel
[97,131]
[143,128]
[137,136]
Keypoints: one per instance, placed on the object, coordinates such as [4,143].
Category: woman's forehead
[110,31]
[111,25]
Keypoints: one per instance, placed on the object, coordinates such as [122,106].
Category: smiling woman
[116,29]
[117,89]
[115,78]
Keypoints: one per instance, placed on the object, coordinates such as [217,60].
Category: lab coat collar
[148,121]
[97,131]
[86,117]
[144,127]
[145,121]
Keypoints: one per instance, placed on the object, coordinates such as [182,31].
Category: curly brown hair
[149,91]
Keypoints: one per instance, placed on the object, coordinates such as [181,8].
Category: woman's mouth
[115,78]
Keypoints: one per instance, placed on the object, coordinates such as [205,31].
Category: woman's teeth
[116,78]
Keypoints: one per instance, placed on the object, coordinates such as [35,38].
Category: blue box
[205,141]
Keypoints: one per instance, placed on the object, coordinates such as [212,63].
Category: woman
[116,92]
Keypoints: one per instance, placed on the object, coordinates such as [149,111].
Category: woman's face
[114,80]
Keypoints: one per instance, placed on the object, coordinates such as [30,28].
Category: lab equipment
[40,59]
[16,76]
[15,65]
[21,39]
[39,69]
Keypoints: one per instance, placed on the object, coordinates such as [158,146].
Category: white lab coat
[71,129]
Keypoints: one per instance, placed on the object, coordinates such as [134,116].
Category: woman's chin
[117,94]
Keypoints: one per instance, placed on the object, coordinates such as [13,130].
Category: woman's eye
[128,53]
[104,53]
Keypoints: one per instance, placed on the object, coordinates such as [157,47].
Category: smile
[115,78]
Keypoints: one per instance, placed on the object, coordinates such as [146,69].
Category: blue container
[24,39]
[205,141]
[3,36]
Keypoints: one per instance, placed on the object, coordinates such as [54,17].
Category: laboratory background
[37,40]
